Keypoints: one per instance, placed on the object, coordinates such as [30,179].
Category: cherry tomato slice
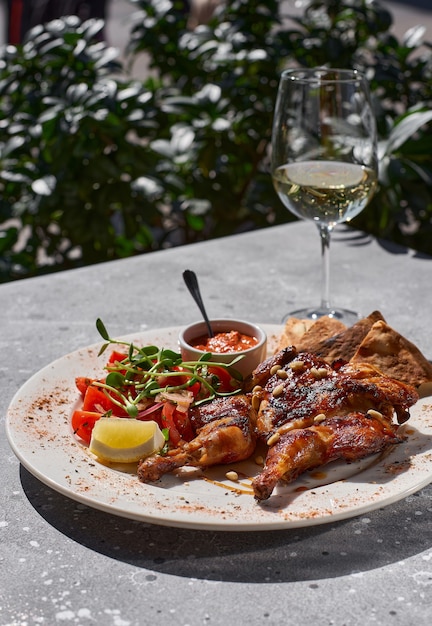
[96,400]
[166,380]
[82,383]
[183,424]
[83,422]
[117,356]
[195,388]
[167,420]
[224,377]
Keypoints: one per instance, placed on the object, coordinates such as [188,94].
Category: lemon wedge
[125,440]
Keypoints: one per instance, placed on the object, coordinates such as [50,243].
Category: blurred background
[118,13]
[101,158]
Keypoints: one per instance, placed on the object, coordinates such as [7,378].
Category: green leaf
[103,348]
[132,409]
[102,330]
[170,354]
[115,379]
[149,351]
[405,129]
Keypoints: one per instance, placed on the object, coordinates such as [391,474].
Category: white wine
[328,192]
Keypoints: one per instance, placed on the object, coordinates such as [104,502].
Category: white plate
[39,432]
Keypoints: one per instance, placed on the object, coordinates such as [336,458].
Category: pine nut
[257,389]
[259,460]
[296,366]
[283,374]
[273,439]
[287,427]
[232,476]
[298,423]
[318,372]
[376,414]
[256,402]
[277,391]
[274,370]
[319,418]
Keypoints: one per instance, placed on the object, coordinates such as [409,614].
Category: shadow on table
[356,239]
[360,544]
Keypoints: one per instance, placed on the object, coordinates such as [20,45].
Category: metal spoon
[191,282]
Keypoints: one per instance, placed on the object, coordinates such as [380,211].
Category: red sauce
[232,341]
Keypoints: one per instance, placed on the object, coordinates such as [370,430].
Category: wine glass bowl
[324,156]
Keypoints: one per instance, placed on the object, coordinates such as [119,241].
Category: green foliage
[77,183]
[96,166]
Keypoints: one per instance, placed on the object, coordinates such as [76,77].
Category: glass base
[344,315]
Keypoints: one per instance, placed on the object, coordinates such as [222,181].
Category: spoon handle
[191,282]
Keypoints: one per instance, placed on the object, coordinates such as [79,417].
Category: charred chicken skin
[224,434]
[311,413]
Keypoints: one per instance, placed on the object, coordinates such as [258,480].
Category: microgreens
[138,376]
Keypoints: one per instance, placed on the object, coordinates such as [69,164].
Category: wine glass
[324,157]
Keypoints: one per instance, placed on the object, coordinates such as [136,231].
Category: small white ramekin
[250,357]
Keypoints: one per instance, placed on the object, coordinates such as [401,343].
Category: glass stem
[325,233]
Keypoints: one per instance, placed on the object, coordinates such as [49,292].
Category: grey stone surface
[64,563]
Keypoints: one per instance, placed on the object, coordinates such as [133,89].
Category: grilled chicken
[310,413]
[350,437]
[224,434]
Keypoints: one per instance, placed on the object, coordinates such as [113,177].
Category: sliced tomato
[165,380]
[195,388]
[83,422]
[225,378]
[183,424]
[116,356]
[167,420]
[96,400]
[82,382]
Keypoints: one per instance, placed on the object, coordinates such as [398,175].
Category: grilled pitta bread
[321,331]
[394,355]
[293,330]
[342,345]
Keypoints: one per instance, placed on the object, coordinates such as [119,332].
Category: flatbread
[293,330]
[394,355]
[321,331]
[343,345]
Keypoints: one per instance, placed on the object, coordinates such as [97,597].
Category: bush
[96,166]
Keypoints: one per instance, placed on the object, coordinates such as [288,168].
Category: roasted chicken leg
[225,434]
[350,437]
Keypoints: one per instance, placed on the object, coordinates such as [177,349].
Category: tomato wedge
[83,422]
[116,356]
[167,420]
[183,424]
[95,400]
[195,388]
[82,382]
[224,377]
[167,380]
